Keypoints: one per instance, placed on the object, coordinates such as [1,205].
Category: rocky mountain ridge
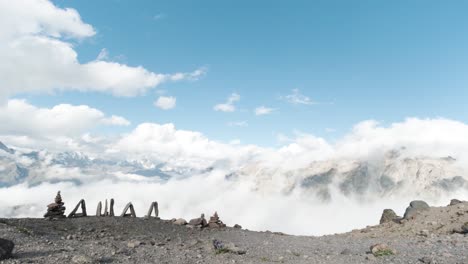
[394,173]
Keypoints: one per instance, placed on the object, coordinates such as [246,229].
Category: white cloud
[262,110]
[116,121]
[103,55]
[229,105]
[164,142]
[238,124]
[18,117]
[165,102]
[38,56]
[297,98]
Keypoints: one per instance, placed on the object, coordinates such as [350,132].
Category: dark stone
[388,215]
[201,221]
[6,248]
[415,208]
[454,202]
[464,228]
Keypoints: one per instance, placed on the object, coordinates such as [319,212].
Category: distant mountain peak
[6,149]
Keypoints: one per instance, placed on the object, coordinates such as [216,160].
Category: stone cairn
[215,222]
[56,209]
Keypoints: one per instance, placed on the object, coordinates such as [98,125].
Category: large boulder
[389,215]
[415,208]
[201,221]
[6,248]
[180,222]
[454,202]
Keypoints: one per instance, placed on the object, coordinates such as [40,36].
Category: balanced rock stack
[56,209]
[215,222]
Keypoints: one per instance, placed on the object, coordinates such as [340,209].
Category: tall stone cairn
[215,222]
[56,209]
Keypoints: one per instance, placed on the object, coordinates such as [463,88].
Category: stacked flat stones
[215,222]
[56,209]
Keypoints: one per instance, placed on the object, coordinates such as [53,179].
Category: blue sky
[358,60]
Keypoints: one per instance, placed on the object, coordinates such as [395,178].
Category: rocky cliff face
[391,175]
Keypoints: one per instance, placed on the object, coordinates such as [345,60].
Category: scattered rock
[454,202]
[199,222]
[134,244]
[428,260]
[6,248]
[180,222]
[415,208]
[221,248]
[231,247]
[424,233]
[389,215]
[379,250]
[345,251]
[81,259]
[56,209]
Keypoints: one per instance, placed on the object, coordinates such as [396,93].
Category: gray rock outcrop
[389,215]
[415,208]
[6,248]
[455,202]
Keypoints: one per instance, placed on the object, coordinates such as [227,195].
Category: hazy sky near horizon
[244,70]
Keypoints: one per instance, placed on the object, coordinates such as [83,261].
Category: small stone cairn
[56,209]
[215,222]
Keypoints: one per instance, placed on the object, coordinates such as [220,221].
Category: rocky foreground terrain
[424,235]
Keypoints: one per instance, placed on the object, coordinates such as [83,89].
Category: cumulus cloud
[166,143]
[228,106]
[38,56]
[18,117]
[165,102]
[262,110]
[297,98]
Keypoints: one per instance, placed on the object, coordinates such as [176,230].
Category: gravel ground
[428,238]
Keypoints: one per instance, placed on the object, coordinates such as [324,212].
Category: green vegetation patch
[384,252]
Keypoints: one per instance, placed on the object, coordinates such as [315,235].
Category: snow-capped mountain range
[392,174]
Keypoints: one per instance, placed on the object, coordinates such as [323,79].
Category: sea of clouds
[265,196]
